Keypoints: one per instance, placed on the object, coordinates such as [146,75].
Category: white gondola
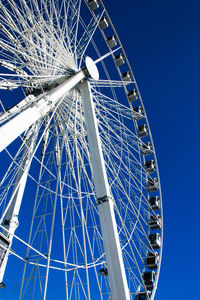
[132,95]
[112,41]
[155,222]
[137,113]
[154,203]
[142,130]
[155,240]
[119,59]
[152,260]
[103,23]
[146,148]
[152,185]
[149,278]
[126,76]
[150,166]
[93,4]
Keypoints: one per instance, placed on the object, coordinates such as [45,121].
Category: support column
[11,219]
[17,125]
[115,264]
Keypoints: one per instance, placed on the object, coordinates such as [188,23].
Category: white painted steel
[92,68]
[113,253]
[99,172]
[42,44]
[17,193]
[16,126]
[52,225]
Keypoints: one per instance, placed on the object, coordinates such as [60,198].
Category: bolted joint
[103,271]
[6,222]
[2,285]
[104,199]
[14,222]
[86,72]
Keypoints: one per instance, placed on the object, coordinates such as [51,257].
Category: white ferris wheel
[78,164]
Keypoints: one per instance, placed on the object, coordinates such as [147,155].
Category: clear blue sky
[162,42]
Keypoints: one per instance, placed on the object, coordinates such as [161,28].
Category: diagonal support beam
[11,219]
[17,125]
[116,270]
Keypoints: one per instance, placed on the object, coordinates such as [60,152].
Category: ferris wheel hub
[92,68]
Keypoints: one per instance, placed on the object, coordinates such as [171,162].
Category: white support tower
[20,123]
[113,253]
[11,222]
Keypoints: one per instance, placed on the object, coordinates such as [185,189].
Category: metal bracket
[6,222]
[102,199]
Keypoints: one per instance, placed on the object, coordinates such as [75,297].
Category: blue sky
[162,42]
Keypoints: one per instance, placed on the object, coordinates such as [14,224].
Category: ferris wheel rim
[145,120]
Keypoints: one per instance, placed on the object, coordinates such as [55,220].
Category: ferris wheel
[78,164]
